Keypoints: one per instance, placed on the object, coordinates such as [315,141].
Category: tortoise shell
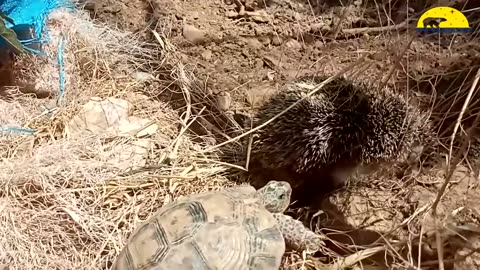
[227,229]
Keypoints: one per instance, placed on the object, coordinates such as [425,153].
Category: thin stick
[460,116]
[450,168]
[399,26]
[184,129]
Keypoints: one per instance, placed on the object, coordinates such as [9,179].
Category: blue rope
[61,69]
[34,12]
[17,129]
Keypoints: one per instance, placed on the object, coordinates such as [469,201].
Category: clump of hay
[66,207]
[95,61]
[64,203]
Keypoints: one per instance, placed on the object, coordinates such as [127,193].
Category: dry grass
[67,208]
[65,203]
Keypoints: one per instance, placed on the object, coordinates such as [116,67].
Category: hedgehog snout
[340,174]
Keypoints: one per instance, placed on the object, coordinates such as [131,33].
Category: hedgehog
[329,134]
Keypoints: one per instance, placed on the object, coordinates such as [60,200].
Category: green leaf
[10,37]
[6,18]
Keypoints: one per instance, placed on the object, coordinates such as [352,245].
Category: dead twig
[451,165]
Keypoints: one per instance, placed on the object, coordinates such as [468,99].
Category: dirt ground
[242,58]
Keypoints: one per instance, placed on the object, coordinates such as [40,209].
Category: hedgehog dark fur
[343,123]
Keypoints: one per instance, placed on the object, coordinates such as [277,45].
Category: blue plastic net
[28,15]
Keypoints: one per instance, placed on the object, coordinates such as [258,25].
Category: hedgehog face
[396,131]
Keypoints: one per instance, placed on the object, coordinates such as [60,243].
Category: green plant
[9,35]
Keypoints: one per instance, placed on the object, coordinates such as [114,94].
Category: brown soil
[250,56]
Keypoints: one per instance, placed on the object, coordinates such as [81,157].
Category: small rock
[317,27]
[207,54]
[276,40]
[224,101]
[265,40]
[358,3]
[254,43]
[142,76]
[293,44]
[260,16]
[231,14]
[193,34]
[319,44]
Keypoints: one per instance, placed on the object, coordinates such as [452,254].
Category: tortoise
[237,228]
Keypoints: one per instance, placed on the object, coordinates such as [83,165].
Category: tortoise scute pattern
[186,235]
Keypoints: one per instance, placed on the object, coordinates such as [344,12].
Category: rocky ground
[243,50]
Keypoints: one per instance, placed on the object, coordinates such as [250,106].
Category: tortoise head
[275,196]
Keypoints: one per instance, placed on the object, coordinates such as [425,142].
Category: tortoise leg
[296,235]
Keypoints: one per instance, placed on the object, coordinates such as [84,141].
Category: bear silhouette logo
[443,20]
[433,22]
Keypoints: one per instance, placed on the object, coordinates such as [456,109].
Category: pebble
[265,40]
[293,44]
[317,27]
[207,54]
[358,3]
[224,101]
[319,44]
[276,40]
[193,34]
[231,14]
[254,43]
[142,76]
[260,16]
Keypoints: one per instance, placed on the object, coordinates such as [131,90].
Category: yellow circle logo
[443,19]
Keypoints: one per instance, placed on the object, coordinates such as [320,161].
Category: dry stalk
[451,168]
